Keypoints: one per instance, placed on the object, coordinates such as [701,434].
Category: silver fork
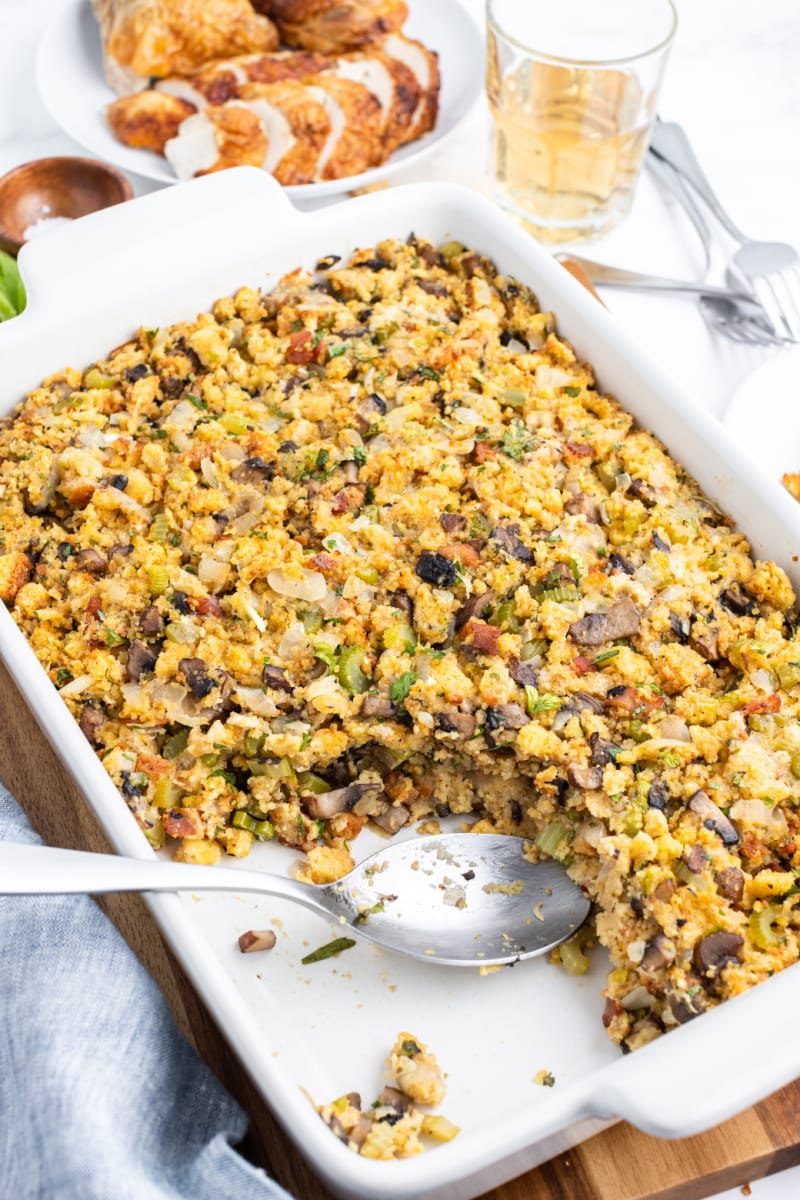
[771,268]
[744,322]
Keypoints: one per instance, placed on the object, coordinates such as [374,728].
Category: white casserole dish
[326,1029]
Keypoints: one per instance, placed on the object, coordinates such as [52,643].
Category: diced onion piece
[212,572]
[301,584]
[182,414]
[256,700]
[762,679]
[638,998]
[208,472]
[337,543]
[293,641]
[76,686]
[756,812]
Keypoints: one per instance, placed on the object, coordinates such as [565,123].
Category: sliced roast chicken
[311,117]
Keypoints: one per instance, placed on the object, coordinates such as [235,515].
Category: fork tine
[791,279]
[782,284]
[773,307]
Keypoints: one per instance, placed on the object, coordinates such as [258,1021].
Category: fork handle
[618,277]
[671,145]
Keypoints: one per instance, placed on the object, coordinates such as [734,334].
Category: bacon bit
[579,450]
[197,454]
[628,700]
[94,606]
[324,562]
[751,845]
[178,824]
[206,606]
[484,637]
[300,349]
[483,452]
[462,552]
[611,1010]
[766,704]
[340,502]
[581,664]
[154,765]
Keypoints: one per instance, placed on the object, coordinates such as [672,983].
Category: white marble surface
[731,81]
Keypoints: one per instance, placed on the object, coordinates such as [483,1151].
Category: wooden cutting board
[619,1164]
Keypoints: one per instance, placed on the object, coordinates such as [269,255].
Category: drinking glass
[573,87]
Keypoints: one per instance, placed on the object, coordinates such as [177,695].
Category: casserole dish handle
[711,1068]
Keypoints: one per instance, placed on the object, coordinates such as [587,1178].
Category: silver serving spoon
[457,899]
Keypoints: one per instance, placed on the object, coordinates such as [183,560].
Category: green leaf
[328,951]
[399,690]
[12,291]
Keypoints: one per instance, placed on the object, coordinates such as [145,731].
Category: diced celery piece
[158,579]
[399,636]
[349,672]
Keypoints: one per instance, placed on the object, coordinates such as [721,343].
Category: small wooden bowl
[55,187]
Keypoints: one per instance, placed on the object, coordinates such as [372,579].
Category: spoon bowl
[458,900]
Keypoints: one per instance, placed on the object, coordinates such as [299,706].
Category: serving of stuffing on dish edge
[373,546]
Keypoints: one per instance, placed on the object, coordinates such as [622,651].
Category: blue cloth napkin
[101,1098]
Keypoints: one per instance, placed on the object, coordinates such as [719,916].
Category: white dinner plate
[69,75]
[764,414]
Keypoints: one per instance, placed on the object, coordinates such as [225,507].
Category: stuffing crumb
[392,1126]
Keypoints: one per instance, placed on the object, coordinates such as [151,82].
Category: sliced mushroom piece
[368,412]
[706,642]
[680,626]
[586,778]
[198,680]
[620,621]
[379,708]
[139,660]
[730,884]
[713,817]
[715,950]
[475,607]
[393,819]
[688,1005]
[506,537]
[360,1131]
[456,722]
[618,562]
[658,795]
[255,940]
[322,806]
[695,859]
[91,561]
[275,677]
[736,600]
[665,890]
[509,716]
[644,492]
[585,702]
[151,622]
[602,752]
[393,1098]
[522,673]
[660,544]
[403,601]
[254,470]
[91,719]
[452,522]
[658,952]
[583,505]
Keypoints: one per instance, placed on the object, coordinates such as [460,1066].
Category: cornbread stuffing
[392,1127]
[373,546]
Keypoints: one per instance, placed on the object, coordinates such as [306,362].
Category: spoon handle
[670,143]
[30,870]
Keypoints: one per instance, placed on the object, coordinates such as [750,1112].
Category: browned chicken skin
[334,26]
[144,39]
[147,120]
